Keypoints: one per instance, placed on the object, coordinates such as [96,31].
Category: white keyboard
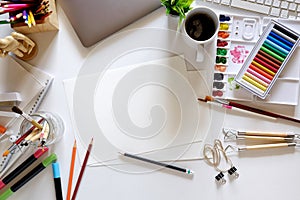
[289,9]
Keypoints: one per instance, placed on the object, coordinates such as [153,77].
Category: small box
[267,59]
[50,23]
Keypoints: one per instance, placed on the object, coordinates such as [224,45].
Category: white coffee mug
[201,27]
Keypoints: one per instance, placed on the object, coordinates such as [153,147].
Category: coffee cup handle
[200,52]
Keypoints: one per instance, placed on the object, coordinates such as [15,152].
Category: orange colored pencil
[71,170]
[82,169]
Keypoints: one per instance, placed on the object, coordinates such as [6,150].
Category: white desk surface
[263,175]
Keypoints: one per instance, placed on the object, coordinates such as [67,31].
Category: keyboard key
[275,12]
[225,2]
[291,1]
[284,4]
[298,8]
[269,2]
[284,14]
[250,6]
[297,1]
[292,6]
[260,1]
[276,3]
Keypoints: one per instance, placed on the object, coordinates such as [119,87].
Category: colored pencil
[35,171]
[173,167]
[31,159]
[57,181]
[71,170]
[82,170]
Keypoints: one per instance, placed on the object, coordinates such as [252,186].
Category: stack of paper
[148,108]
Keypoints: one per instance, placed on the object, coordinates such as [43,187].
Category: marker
[184,170]
[35,171]
[57,181]
[31,159]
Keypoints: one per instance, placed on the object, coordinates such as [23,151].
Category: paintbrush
[27,117]
[251,109]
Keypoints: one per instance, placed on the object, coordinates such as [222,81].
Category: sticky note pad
[267,59]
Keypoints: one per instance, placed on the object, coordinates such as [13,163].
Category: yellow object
[253,82]
[224,26]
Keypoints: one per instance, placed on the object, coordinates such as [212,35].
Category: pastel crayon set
[267,59]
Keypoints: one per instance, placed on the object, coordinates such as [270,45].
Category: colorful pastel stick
[35,171]
[269,42]
[256,59]
[268,76]
[285,33]
[276,51]
[253,82]
[252,86]
[278,37]
[278,42]
[270,57]
[271,53]
[263,68]
[263,78]
[267,60]
[257,79]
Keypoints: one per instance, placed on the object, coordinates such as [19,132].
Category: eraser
[10,99]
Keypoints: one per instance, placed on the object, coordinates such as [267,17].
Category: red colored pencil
[82,169]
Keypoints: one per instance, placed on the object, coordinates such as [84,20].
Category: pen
[57,181]
[35,171]
[180,169]
[12,175]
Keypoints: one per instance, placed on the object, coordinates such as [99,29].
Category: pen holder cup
[53,128]
[50,23]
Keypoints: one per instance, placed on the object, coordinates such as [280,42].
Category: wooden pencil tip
[203,100]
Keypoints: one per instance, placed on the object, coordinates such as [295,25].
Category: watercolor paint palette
[235,42]
[267,59]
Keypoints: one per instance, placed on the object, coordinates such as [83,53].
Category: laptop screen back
[93,20]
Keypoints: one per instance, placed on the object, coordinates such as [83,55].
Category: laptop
[94,20]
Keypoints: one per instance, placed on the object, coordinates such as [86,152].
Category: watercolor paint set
[238,37]
[267,59]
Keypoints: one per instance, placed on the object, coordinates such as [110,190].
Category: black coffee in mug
[200,27]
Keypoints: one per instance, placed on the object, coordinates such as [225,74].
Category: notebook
[33,84]
[94,20]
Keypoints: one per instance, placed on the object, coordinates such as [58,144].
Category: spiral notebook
[31,82]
